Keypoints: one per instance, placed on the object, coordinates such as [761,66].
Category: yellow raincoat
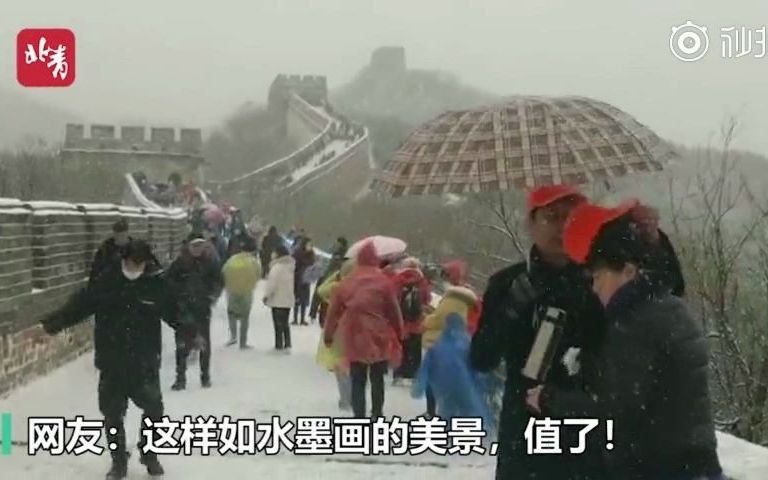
[241,272]
[330,357]
[456,300]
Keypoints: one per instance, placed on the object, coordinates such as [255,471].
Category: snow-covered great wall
[314,164]
[46,249]
[45,255]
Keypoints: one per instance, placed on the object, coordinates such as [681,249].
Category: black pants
[359,373]
[203,324]
[282,329]
[142,386]
[302,301]
[265,265]
[411,357]
[299,308]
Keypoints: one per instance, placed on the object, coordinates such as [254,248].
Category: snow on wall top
[12,206]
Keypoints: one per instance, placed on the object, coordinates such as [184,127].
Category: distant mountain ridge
[24,121]
[387,88]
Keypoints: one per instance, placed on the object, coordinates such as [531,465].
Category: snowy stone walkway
[252,384]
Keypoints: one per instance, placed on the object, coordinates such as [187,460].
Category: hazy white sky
[191,63]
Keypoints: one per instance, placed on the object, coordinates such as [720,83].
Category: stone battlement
[388,60]
[189,141]
[312,88]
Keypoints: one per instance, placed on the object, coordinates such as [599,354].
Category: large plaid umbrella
[524,143]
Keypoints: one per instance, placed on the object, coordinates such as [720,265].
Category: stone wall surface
[46,249]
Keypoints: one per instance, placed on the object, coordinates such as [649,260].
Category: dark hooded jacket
[127,331]
[268,245]
[651,379]
[196,281]
[507,330]
[109,254]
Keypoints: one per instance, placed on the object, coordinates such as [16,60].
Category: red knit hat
[584,224]
[548,194]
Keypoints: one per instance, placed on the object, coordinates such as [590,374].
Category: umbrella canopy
[385,246]
[214,215]
[524,143]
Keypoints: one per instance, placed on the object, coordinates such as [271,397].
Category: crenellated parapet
[161,140]
[312,88]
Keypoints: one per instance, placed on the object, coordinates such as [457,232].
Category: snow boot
[179,384]
[154,469]
[119,468]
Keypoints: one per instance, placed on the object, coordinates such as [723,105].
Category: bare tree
[720,227]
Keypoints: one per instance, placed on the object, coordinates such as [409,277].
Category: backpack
[410,303]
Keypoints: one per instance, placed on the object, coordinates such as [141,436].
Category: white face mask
[132,275]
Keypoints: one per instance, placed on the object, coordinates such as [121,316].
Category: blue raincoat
[459,391]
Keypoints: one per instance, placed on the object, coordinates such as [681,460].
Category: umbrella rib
[628,131]
[554,157]
[585,112]
[475,165]
[498,147]
[456,169]
[450,137]
[525,144]
[574,151]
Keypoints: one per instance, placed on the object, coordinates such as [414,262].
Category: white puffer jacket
[278,291]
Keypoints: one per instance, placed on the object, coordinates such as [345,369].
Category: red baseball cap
[548,194]
[584,224]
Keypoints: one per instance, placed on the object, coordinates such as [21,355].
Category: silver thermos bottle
[545,345]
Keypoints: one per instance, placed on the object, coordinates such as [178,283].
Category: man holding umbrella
[515,301]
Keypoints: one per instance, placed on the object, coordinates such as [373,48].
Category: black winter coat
[127,332]
[268,245]
[196,281]
[500,335]
[652,381]
[510,336]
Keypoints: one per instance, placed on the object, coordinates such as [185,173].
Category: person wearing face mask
[518,297]
[197,280]
[129,299]
[111,250]
[654,362]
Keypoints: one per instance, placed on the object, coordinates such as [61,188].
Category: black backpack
[410,303]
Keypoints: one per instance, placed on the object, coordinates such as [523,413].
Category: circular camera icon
[689,42]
